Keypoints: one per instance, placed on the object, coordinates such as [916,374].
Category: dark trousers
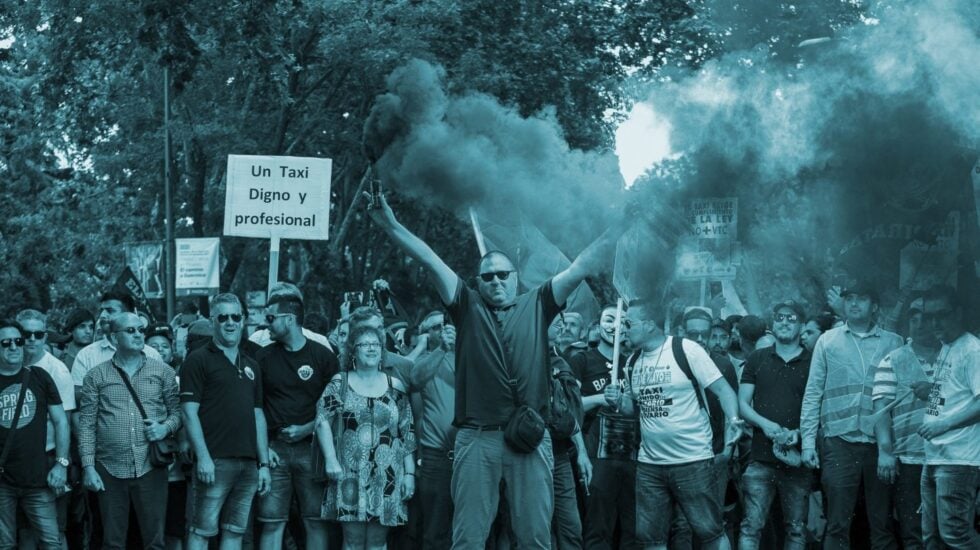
[908,499]
[612,495]
[845,467]
[566,524]
[435,498]
[148,497]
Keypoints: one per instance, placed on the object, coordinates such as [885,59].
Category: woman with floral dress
[370,460]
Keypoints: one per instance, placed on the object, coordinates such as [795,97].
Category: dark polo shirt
[778,395]
[492,343]
[228,394]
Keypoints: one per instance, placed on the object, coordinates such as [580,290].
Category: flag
[128,283]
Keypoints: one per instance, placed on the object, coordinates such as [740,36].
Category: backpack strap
[677,346]
[8,442]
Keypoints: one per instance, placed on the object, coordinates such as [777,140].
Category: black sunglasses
[6,343]
[223,317]
[132,330]
[36,334]
[271,317]
[502,275]
[788,317]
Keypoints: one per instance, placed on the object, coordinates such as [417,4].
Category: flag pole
[616,341]
[477,233]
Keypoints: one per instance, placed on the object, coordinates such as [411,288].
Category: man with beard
[80,326]
[838,393]
[294,370]
[770,398]
[611,440]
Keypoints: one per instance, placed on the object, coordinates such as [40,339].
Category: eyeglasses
[35,334]
[223,317]
[7,342]
[368,345]
[132,330]
[502,275]
[271,317]
[788,317]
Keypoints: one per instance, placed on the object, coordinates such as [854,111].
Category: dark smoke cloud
[846,143]
[457,151]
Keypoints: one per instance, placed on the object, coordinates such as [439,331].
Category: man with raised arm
[501,344]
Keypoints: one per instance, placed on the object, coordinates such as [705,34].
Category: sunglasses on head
[502,275]
[132,330]
[7,342]
[35,334]
[223,317]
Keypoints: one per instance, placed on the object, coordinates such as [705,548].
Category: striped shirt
[110,427]
[838,390]
[895,373]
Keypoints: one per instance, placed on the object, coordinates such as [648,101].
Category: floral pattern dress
[375,435]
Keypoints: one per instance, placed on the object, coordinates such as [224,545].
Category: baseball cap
[159,329]
[795,306]
[861,288]
[723,325]
[77,317]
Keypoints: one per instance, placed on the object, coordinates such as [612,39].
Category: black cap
[861,288]
[160,329]
[77,317]
[796,307]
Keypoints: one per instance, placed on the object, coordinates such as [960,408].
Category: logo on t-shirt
[8,406]
[249,373]
[305,372]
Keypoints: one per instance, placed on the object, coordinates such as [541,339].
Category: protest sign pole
[703,292]
[480,244]
[616,341]
[273,262]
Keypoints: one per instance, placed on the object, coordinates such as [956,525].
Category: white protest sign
[197,262]
[713,218]
[277,197]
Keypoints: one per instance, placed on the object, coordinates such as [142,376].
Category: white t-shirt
[674,429]
[957,385]
[66,389]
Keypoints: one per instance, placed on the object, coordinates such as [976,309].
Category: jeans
[948,506]
[566,522]
[907,502]
[228,500]
[293,476]
[760,483]
[148,497]
[38,506]
[612,495]
[482,461]
[691,486]
[844,466]
[435,498]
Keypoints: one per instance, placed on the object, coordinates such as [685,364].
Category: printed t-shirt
[292,382]
[27,463]
[228,394]
[778,395]
[607,434]
[494,344]
[957,387]
[895,372]
[674,429]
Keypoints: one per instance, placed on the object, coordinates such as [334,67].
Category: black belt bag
[524,430]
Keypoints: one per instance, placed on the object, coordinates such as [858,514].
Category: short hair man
[295,371]
[221,400]
[80,326]
[26,482]
[951,428]
[611,440]
[502,337]
[838,394]
[263,337]
[434,379]
[115,433]
[675,460]
[770,397]
[35,325]
[101,351]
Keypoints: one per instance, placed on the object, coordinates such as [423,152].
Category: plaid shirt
[110,427]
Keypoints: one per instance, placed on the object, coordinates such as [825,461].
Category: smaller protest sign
[197,263]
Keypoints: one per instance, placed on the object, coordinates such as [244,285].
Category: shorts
[293,475]
[691,486]
[228,499]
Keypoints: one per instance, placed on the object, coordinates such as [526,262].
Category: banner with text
[285,197]
[145,259]
[198,271]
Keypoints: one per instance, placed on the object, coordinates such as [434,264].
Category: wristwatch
[63,461]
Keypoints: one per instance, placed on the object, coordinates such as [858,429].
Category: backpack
[565,399]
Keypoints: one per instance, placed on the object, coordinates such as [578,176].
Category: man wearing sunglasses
[263,337]
[26,481]
[221,401]
[502,349]
[102,350]
[115,434]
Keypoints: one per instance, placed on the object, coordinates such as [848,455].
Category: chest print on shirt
[305,372]
[249,373]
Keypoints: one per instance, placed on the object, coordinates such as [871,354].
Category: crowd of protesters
[500,422]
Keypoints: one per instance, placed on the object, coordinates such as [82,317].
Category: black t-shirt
[495,344]
[27,463]
[292,382]
[229,394]
[714,405]
[594,372]
[778,395]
